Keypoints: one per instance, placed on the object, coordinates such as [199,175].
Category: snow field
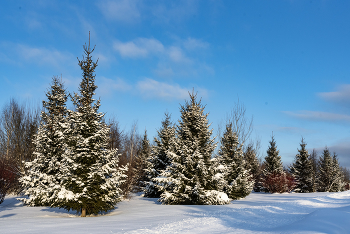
[257,213]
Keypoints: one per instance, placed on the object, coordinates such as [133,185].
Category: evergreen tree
[92,175]
[302,170]
[43,180]
[238,182]
[253,165]
[274,176]
[273,162]
[189,178]
[141,164]
[338,183]
[314,163]
[325,171]
[159,159]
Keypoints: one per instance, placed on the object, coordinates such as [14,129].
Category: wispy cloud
[150,88]
[193,44]
[174,11]
[141,47]
[319,116]
[172,59]
[294,130]
[176,55]
[121,10]
[341,95]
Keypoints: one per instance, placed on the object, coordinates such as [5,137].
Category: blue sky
[288,62]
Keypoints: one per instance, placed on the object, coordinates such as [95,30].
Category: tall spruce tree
[238,182]
[189,178]
[159,159]
[92,175]
[302,170]
[43,180]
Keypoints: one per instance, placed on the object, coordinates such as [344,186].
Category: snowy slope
[257,213]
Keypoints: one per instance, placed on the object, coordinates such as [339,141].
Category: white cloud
[319,116]
[176,55]
[150,88]
[342,95]
[121,10]
[140,47]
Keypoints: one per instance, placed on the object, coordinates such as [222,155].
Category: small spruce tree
[141,164]
[274,176]
[314,162]
[159,160]
[338,183]
[302,170]
[238,182]
[253,165]
[273,162]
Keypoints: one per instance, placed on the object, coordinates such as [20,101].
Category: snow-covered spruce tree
[274,176]
[238,182]
[338,183]
[43,180]
[141,164]
[189,178]
[92,176]
[273,162]
[314,163]
[159,159]
[325,171]
[253,165]
[302,170]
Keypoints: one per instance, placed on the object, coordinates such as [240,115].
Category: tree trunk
[83,212]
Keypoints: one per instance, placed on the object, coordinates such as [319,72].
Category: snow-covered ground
[257,213]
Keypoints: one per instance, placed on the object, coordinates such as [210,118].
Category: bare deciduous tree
[18,125]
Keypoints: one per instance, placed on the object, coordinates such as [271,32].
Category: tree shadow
[7,215]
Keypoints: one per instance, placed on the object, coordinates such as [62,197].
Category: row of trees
[73,162]
[308,173]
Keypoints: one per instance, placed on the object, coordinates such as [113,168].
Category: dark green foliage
[273,163]
[253,166]
[92,174]
[43,180]
[237,179]
[159,159]
[141,164]
[273,167]
[330,178]
[302,170]
[189,178]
